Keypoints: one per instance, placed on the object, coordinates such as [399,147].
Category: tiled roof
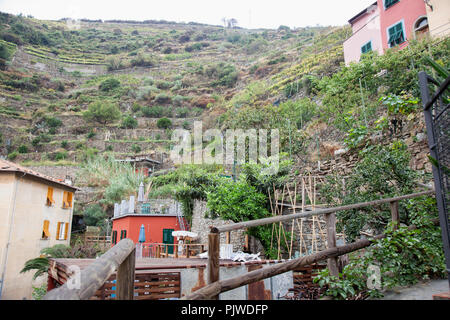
[8,166]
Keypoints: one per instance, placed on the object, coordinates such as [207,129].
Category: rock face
[413,133]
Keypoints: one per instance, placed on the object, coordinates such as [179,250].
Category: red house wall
[154,226]
[408,11]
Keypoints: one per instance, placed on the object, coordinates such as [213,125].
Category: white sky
[249,13]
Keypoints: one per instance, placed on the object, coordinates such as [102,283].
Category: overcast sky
[248,13]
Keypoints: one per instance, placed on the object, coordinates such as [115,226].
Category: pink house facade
[385,24]
[366,34]
[400,16]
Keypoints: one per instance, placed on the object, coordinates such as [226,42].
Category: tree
[102,112]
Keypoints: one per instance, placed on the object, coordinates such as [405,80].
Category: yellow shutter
[50,200]
[69,199]
[58,230]
[65,203]
[66,231]
[45,232]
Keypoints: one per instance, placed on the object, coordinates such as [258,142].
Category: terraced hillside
[71,91]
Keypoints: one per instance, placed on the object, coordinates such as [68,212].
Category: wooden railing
[161,250]
[216,286]
[120,259]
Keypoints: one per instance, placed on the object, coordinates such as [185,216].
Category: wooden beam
[94,275]
[213,258]
[125,278]
[395,214]
[331,240]
[260,222]
[214,289]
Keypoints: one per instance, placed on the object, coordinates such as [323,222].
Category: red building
[160,217]
[158,228]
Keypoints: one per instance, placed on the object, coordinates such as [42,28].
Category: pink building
[401,21]
[366,34]
[385,24]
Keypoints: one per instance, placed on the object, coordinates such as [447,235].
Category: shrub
[23,149]
[64,144]
[60,155]
[136,148]
[13,155]
[164,123]
[94,215]
[224,74]
[109,84]
[129,123]
[153,111]
[163,98]
[136,107]
[182,112]
[102,112]
[144,60]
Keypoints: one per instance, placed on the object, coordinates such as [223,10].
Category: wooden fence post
[331,239]
[394,214]
[125,278]
[213,258]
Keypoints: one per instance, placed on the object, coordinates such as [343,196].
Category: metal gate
[437,118]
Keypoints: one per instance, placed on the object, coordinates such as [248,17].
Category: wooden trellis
[305,188]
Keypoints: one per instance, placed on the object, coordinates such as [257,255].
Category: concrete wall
[439,18]
[273,288]
[21,229]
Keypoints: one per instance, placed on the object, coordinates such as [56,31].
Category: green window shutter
[396,35]
[389,3]
[367,47]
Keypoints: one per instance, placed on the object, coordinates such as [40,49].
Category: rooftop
[8,166]
[359,15]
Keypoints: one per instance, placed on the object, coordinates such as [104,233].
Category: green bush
[153,112]
[129,123]
[136,148]
[64,144]
[60,155]
[23,149]
[164,123]
[102,112]
[109,84]
[94,215]
[13,155]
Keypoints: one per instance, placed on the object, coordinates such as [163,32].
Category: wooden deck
[154,278]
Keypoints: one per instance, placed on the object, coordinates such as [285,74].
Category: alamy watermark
[234,146]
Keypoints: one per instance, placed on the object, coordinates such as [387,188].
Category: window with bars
[123,234]
[367,47]
[389,3]
[396,35]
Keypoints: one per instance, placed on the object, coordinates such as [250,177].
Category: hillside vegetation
[72,94]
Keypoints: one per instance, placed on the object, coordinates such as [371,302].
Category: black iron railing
[437,118]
